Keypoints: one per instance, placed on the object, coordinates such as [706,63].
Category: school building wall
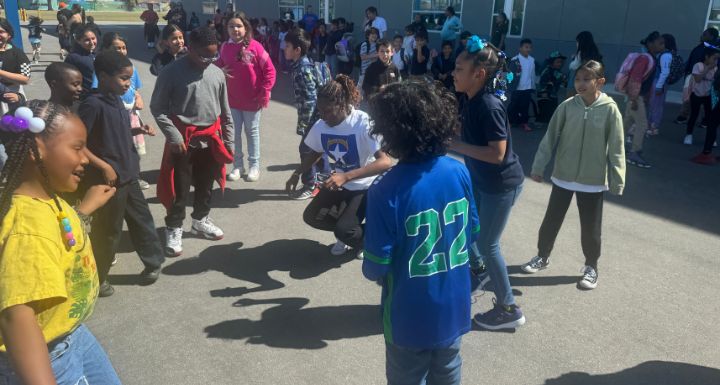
[618,25]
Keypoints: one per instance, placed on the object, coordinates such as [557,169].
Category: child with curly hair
[343,135]
[421,221]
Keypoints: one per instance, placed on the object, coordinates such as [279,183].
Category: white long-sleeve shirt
[665,61]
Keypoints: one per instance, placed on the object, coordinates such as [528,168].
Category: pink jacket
[250,78]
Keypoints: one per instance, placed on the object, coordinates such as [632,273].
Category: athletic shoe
[706,159]
[589,278]
[207,229]
[150,275]
[106,290]
[526,127]
[536,264]
[114,261]
[500,317]
[635,159]
[306,192]
[143,184]
[653,132]
[479,278]
[688,140]
[254,174]
[173,241]
[360,255]
[681,120]
[339,248]
[235,174]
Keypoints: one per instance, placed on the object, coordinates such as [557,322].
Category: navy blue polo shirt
[109,137]
[484,120]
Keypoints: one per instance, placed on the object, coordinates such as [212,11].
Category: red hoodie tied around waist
[166,180]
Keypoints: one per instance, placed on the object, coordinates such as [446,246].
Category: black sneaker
[150,275]
[681,120]
[536,264]
[106,290]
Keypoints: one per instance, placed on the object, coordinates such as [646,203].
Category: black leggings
[590,206]
[341,212]
[695,103]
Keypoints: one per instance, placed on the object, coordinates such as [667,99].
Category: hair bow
[22,121]
[475,44]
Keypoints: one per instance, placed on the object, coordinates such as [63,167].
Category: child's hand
[96,196]
[433,53]
[149,130]
[537,178]
[110,175]
[178,148]
[11,97]
[336,181]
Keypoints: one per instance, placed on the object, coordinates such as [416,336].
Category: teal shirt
[451,28]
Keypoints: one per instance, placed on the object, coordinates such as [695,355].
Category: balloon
[6,121]
[20,124]
[37,125]
[24,113]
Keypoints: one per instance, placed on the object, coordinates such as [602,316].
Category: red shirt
[149,17]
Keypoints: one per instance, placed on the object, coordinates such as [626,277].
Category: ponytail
[483,53]
[341,91]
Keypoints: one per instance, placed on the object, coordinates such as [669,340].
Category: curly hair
[416,120]
[341,92]
[19,146]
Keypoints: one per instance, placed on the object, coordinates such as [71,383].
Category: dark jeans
[151,31]
[590,206]
[323,165]
[712,127]
[197,168]
[695,103]
[341,212]
[439,366]
[547,108]
[129,204]
[518,111]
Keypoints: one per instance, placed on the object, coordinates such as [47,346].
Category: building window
[294,8]
[713,19]
[432,12]
[515,11]
[330,4]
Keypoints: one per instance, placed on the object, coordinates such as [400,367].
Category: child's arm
[26,345]
[548,144]
[420,54]
[636,78]
[267,81]
[380,236]
[160,108]
[494,152]
[228,128]
[306,164]
[139,102]
[381,164]
[88,115]
[616,153]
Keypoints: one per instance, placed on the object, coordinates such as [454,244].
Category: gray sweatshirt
[196,97]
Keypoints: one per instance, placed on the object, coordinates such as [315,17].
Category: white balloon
[24,113]
[36,125]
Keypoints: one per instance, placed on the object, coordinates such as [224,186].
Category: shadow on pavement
[301,258]
[232,198]
[288,324]
[647,373]
[543,281]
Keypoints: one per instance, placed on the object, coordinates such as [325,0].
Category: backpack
[358,52]
[677,69]
[623,76]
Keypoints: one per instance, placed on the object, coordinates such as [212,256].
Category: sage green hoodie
[587,142]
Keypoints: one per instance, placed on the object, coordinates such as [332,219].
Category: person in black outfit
[697,55]
[83,55]
[115,161]
[500,29]
[381,72]
[444,65]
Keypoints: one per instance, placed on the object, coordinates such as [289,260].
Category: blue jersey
[421,220]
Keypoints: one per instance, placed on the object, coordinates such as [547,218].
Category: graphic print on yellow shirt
[37,268]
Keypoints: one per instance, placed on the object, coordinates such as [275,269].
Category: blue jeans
[494,211]
[250,120]
[76,359]
[440,366]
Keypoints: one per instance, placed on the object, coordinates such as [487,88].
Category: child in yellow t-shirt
[48,277]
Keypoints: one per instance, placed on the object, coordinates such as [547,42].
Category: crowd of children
[428,225]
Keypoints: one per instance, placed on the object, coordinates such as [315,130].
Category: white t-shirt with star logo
[348,145]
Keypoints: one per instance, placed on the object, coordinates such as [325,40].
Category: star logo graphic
[338,154]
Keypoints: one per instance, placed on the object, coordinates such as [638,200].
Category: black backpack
[677,69]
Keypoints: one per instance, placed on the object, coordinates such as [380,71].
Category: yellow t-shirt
[39,269]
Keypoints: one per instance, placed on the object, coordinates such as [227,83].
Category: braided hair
[19,146]
[341,92]
[495,62]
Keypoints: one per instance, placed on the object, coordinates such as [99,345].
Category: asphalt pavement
[270,305]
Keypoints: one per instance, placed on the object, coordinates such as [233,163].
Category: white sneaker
[235,174]
[173,241]
[360,255]
[589,278]
[254,174]
[339,249]
[207,229]
[688,139]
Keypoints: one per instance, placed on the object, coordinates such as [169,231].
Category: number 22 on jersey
[423,262]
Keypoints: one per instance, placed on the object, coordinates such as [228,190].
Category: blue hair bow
[475,44]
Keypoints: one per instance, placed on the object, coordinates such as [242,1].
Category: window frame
[708,23]
[300,6]
[330,10]
[413,11]
[508,8]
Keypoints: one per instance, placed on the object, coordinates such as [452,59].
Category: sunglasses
[209,60]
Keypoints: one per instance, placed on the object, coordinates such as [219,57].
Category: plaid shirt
[305,85]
